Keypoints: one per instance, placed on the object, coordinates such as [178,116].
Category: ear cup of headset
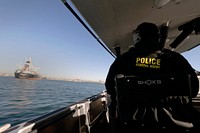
[136,36]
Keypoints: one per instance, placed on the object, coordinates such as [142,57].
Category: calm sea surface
[22,100]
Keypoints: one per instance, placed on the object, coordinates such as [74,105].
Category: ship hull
[22,75]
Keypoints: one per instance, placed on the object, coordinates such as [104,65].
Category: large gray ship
[27,71]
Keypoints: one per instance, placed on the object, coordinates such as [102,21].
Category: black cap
[148,37]
[148,30]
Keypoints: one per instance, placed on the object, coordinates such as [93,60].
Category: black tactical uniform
[146,57]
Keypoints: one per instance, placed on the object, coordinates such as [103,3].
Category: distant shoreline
[61,79]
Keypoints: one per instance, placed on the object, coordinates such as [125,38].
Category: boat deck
[88,115]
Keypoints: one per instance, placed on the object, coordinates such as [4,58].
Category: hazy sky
[47,32]
[57,43]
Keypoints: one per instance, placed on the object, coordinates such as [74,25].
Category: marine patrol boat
[111,23]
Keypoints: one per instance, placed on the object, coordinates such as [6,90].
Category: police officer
[147,56]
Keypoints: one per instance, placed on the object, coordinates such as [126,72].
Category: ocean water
[22,100]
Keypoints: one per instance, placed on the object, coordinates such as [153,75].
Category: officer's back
[147,57]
